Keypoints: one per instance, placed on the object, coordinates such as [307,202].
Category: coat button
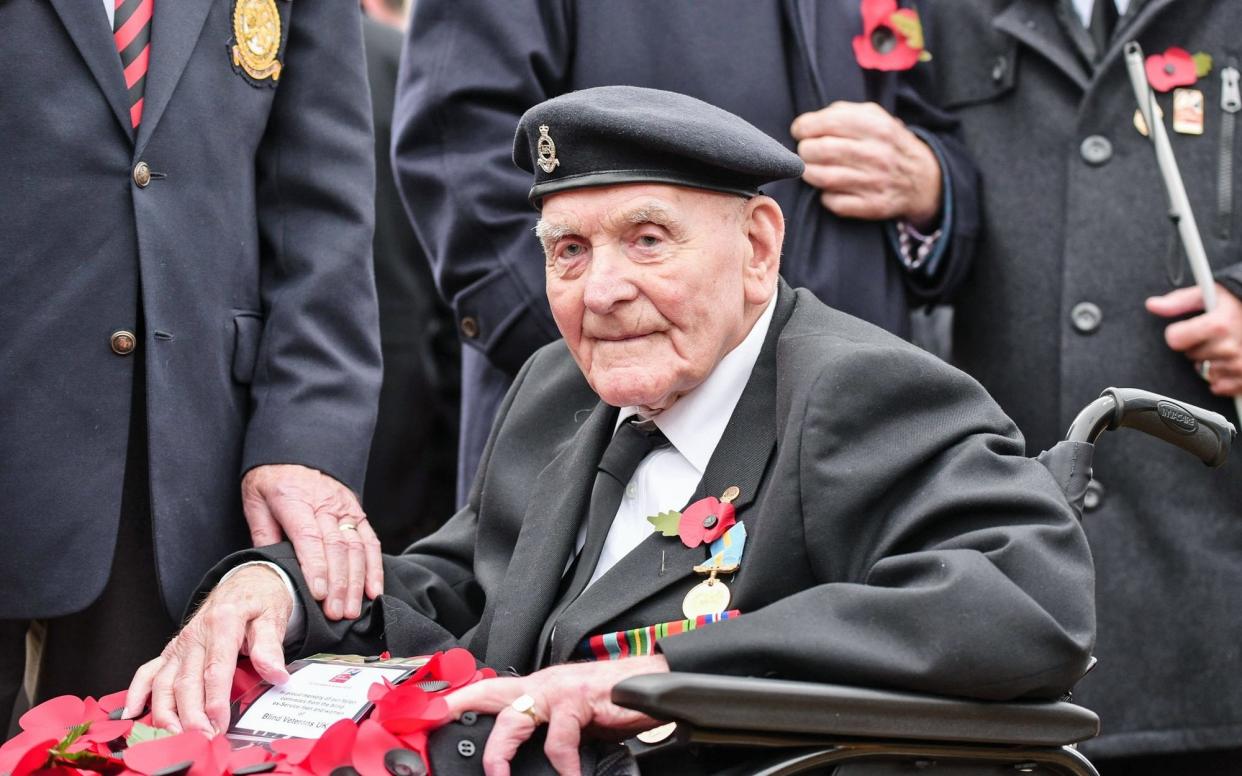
[469,327]
[466,748]
[1096,150]
[142,175]
[123,342]
[403,762]
[999,66]
[1086,317]
[1094,496]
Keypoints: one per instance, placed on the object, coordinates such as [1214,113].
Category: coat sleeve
[431,596]
[948,265]
[949,563]
[470,69]
[316,384]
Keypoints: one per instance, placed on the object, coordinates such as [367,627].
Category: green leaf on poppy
[1203,63]
[908,25]
[142,733]
[88,761]
[666,522]
[74,734]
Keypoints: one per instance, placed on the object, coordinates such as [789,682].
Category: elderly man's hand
[1215,337]
[568,697]
[338,551]
[868,165]
[189,682]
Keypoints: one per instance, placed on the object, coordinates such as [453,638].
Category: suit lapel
[659,562]
[556,509]
[1035,24]
[175,29]
[87,25]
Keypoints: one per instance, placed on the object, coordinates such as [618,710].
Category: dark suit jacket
[472,67]
[1060,232]
[897,537]
[251,246]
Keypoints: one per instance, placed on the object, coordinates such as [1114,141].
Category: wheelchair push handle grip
[1205,434]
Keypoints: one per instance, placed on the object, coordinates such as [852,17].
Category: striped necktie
[132,33]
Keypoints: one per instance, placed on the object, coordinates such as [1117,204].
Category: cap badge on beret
[547,151]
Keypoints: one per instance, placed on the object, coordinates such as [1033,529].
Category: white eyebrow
[549,234]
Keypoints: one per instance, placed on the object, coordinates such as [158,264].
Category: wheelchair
[811,726]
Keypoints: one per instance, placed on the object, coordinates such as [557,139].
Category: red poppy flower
[705,520]
[248,756]
[408,708]
[1175,67]
[56,716]
[892,37]
[456,666]
[373,743]
[26,753]
[208,756]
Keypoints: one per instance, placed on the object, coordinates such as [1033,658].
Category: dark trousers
[96,651]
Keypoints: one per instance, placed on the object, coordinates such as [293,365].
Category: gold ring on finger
[524,704]
[347,527]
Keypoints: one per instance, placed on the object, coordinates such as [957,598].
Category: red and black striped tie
[132,32]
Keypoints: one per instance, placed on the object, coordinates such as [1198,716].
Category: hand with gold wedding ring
[1204,368]
[570,700]
[337,550]
[1210,341]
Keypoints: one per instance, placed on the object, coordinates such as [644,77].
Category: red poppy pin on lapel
[892,37]
[704,521]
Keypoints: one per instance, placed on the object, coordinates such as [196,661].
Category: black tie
[629,446]
[1103,22]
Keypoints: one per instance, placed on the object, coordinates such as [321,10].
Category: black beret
[627,134]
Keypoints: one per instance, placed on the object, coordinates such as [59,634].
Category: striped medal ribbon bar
[641,641]
[132,34]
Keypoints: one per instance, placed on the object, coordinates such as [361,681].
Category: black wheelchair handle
[1204,434]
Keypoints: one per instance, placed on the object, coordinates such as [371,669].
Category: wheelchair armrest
[780,706]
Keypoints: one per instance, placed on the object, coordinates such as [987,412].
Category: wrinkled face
[651,285]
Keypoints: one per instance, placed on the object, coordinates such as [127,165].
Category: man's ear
[765,229]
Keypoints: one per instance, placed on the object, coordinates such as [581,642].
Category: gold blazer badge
[256,38]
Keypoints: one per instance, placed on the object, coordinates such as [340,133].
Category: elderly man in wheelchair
[712,475]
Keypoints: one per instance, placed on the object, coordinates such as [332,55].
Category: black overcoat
[1075,215]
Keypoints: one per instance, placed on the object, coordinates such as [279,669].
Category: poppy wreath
[69,736]
[892,37]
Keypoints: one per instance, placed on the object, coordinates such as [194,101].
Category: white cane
[1179,206]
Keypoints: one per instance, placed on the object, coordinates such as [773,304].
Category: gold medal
[1188,111]
[711,596]
[1141,124]
[256,36]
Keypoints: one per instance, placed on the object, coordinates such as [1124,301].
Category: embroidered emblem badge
[256,38]
[547,151]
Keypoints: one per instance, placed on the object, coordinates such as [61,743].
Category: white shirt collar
[1083,7]
[696,421]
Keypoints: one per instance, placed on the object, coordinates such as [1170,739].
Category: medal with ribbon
[708,520]
[711,596]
